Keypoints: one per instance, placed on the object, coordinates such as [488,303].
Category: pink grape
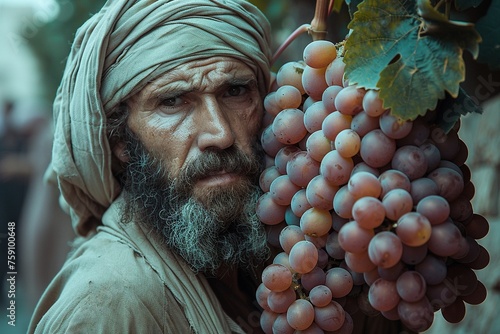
[276,277]
[368,212]
[330,317]
[320,295]
[312,279]
[268,211]
[421,188]
[289,236]
[302,168]
[267,177]
[339,281]
[290,73]
[333,248]
[347,143]
[385,249]
[282,190]
[445,239]
[279,301]
[284,155]
[362,123]
[411,286]
[283,259]
[300,314]
[328,97]
[271,104]
[316,222]
[414,229]
[397,202]
[383,295]
[288,126]
[334,123]
[270,142]
[393,179]
[314,82]
[363,167]
[343,201]
[432,155]
[288,96]
[393,127]
[334,72]
[314,116]
[349,101]
[261,296]
[418,135]
[320,193]
[413,255]
[372,103]
[299,203]
[335,168]
[281,325]
[432,269]
[447,143]
[418,316]
[359,262]
[377,149]
[364,184]
[435,208]
[319,53]
[411,161]
[392,273]
[353,238]
[267,319]
[303,256]
[318,145]
[450,183]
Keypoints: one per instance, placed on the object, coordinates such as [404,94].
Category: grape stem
[317,28]
[296,33]
[319,22]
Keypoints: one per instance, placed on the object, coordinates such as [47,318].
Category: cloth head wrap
[115,54]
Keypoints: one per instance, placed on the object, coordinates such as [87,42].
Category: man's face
[201,106]
[193,161]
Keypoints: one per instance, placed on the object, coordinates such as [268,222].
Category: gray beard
[221,232]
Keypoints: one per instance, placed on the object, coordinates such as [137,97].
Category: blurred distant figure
[15,174]
[47,230]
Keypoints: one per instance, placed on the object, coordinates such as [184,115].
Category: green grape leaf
[352,6]
[451,109]
[466,4]
[488,27]
[409,51]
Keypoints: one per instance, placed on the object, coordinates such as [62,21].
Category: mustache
[212,161]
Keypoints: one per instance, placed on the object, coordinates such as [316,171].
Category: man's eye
[169,102]
[236,90]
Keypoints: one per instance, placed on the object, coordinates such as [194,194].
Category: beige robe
[122,281]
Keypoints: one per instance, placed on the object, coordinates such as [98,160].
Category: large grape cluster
[369,213]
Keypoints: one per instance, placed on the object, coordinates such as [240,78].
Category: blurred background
[35,39]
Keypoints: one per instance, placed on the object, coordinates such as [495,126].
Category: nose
[215,126]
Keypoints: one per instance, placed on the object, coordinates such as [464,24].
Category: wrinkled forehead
[175,34]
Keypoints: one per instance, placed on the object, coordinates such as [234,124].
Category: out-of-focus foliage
[52,41]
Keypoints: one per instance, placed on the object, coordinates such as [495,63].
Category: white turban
[115,54]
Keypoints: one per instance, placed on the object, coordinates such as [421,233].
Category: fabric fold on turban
[114,55]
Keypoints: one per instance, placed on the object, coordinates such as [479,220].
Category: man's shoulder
[110,283]
[105,259]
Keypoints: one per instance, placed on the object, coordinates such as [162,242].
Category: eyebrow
[179,88]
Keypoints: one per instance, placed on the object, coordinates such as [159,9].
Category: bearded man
[157,159]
